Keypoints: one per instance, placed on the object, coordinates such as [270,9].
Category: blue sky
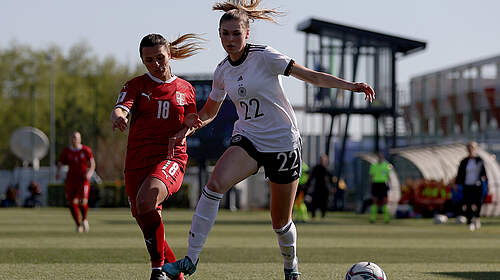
[456,31]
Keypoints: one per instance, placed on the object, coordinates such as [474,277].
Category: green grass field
[42,244]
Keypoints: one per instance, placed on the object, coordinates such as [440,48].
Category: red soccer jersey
[158,109]
[77,160]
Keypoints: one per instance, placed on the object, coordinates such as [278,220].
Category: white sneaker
[461,220]
[79,228]
[477,223]
[472,227]
[85,224]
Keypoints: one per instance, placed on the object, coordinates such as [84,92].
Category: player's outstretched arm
[208,113]
[91,170]
[326,80]
[58,172]
[119,119]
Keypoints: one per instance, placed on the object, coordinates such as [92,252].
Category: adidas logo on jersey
[295,173]
[240,78]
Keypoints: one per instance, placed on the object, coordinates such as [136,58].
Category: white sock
[287,239]
[203,220]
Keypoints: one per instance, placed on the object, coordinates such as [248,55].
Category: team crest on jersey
[242,91]
[181,98]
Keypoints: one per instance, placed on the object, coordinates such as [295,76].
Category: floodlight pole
[51,58]
[34,164]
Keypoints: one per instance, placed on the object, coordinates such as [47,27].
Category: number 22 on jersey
[253,104]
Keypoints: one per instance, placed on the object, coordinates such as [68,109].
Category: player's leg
[324,205]
[75,213]
[312,209]
[72,200]
[151,193]
[385,209]
[171,174]
[164,180]
[468,193]
[283,171]
[281,215]
[375,202]
[133,181]
[476,207]
[225,175]
[84,203]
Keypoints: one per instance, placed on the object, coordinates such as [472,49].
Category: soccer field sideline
[43,244]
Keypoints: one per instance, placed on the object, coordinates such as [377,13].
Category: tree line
[86,89]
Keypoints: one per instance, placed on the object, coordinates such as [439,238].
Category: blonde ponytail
[185,46]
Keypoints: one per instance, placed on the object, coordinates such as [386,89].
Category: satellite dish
[29,144]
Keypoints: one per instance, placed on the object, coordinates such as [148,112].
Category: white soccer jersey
[265,115]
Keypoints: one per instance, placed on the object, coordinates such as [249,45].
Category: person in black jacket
[471,178]
[320,183]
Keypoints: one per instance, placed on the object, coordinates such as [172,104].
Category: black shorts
[379,190]
[279,167]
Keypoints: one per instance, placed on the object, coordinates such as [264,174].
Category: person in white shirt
[472,180]
[265,134]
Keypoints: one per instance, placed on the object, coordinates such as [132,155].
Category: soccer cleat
[461,220]
[157,274]
[292,274]
[85,225]
[477,223]
[79,228]
[472,227]
[185,265]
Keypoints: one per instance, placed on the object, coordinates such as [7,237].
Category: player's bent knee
[142,209]
[144,205]
[216,186]
[279,224]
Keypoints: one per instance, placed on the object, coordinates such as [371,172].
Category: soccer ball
[365,271]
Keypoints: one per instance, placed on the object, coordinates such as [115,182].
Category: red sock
[168,253]
[75,213]
[85,209]
[170,257]
[154,235]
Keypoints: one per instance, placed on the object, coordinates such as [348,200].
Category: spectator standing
[10,199]
[320,184]
[34,200]
[472,179]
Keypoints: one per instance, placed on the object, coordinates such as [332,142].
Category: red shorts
[77,188]
[169,172]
